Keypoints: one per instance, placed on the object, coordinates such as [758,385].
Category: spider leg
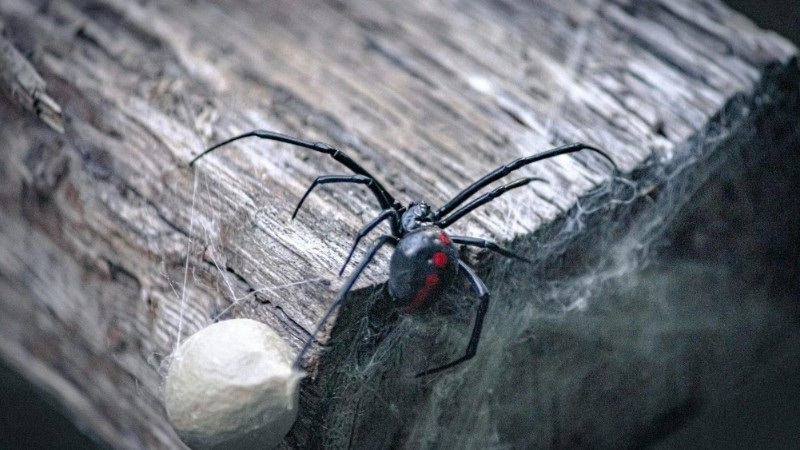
[328,179]
[377,245]
[385,214]
[385,199]
[491,245]
[504,170]
[483,199]
[472,347]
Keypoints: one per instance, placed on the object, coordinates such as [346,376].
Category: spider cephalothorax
[417,215]
[425,261]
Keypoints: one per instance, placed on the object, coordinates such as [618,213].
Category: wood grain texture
[26,87]
[113,250]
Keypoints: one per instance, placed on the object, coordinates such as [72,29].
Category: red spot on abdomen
[422,294]
[444,238]
[439,259]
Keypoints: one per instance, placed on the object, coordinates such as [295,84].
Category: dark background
[30,419]
[782,16]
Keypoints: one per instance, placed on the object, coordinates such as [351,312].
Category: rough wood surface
[113,250]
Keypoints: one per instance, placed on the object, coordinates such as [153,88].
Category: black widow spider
[425,261]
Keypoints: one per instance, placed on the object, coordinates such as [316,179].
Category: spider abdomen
[424,263]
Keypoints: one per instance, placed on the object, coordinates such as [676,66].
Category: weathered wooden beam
[113,250]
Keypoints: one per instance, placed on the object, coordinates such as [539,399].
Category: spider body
[423,265]
[425,261]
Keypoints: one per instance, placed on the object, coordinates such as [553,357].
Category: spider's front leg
[483,306]
[484,199]
[389,213]
[329,179]
[505,169]
[362,176]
